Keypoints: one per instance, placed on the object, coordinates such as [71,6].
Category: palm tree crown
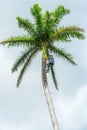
[43,34]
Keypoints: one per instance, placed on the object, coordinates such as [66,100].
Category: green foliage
[19,41]
[43,32]
[58,14]
[66,33]
[26,65]
[26,25]
[52,19]
[37,14]
[59,52]
[47,25]
[22,58]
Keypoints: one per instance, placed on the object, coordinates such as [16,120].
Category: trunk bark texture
[48,97]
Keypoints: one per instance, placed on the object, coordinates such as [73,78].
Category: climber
[50,62]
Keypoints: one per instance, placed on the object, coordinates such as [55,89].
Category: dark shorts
[51,63]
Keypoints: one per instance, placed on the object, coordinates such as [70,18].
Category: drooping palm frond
[26,25]
[26,65]
[19,41]
[54,77]
[37,14]
[59,52]
[22,58]
[66,33]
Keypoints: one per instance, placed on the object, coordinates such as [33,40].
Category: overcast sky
[25,108]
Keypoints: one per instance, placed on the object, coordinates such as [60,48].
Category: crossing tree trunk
[48,97]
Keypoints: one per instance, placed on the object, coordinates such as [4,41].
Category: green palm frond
[19,41]
[26,65]
[58,14]
[59,52]
[65,33]
[52,19]
[37,14]
[48,25]
[54,77]
[22,58]
[26,25]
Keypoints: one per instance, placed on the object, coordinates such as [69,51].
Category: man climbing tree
[50,62]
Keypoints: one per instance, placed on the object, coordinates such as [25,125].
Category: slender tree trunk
[48,97]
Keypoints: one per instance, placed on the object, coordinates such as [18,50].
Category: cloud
[12,127]
[73,112]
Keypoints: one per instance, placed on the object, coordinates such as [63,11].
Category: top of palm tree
[43,33]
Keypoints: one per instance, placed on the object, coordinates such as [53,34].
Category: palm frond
[48,25]
[22,58]
[36,12]
[26,25]
[54,77]
[59,52]
[19,41]
[26,65]
[52,19]
[58,14]
[66,33]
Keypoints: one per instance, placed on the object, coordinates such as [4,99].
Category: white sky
[25,108]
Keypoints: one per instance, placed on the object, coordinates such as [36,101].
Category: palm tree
[43,35]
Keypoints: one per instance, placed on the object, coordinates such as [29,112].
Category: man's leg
[48,66]
[51,65]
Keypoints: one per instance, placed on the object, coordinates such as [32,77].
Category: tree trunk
[48,97]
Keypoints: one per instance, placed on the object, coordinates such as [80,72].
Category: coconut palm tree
[43,35]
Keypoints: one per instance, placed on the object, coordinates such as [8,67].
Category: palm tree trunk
[48,97]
